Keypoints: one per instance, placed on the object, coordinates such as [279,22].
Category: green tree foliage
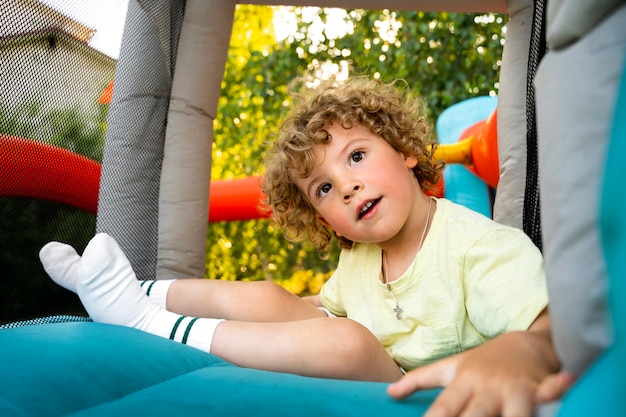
[78,129]
[444,57]
[250,108]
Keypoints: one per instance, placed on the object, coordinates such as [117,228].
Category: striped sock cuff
[175,327]
[157,290]
[195,332]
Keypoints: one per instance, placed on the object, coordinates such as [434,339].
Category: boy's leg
[337,348]
[157,290]
[236,300]
[321,347]
[262,301]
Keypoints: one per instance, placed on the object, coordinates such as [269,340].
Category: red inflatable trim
[37,170]
[236,200]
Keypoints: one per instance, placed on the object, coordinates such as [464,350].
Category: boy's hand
[501,377]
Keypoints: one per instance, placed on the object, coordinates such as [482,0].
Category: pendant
[398,311]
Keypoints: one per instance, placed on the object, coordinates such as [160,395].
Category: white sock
[111,293]
[60,261]
[157,290]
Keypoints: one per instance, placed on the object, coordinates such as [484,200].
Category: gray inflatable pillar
[186,174]
[509,203]
[133,151]
[577,88]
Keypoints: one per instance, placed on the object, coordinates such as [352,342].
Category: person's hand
[554,386]
[501,377]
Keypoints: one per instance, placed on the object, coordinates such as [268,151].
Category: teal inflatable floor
[91,369]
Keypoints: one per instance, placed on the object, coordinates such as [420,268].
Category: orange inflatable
[485,161]
[477,149]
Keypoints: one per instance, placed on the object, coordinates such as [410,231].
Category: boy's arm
[500,377]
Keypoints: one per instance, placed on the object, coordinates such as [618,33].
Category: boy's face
[361,186]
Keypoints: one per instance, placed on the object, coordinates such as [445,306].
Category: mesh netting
[51,99]
[532,212]
[45,320]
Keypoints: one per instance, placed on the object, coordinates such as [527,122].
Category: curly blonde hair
[386,109]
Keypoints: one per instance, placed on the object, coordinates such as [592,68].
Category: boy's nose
[350,191]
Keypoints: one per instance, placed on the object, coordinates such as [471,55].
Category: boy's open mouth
[367,207]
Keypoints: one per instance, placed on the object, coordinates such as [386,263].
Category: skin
[358,168]
[483,381]
[277,331]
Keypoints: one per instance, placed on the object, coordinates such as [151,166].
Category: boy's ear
[411,161]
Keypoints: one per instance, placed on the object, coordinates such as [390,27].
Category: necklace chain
[397,309]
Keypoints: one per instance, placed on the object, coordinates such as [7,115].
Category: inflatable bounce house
[553,144]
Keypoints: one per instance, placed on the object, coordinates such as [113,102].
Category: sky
[106,16]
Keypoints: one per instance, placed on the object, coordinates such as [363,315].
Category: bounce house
[153,193]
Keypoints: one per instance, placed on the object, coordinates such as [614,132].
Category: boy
[419,278]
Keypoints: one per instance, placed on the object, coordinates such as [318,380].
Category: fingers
[465,399]
[469,392]
[437,374]
[452,401]
[504,377]
[517,400]
[554,386]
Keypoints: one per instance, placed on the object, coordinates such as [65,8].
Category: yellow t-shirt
[472,280]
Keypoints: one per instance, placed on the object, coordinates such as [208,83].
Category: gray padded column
[133,152]
[509,203]
[186,175]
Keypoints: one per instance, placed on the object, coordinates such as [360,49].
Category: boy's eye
[323,189]
[357,156]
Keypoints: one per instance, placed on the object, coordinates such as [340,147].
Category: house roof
[21,17]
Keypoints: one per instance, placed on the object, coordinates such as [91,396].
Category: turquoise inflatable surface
[91,369]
